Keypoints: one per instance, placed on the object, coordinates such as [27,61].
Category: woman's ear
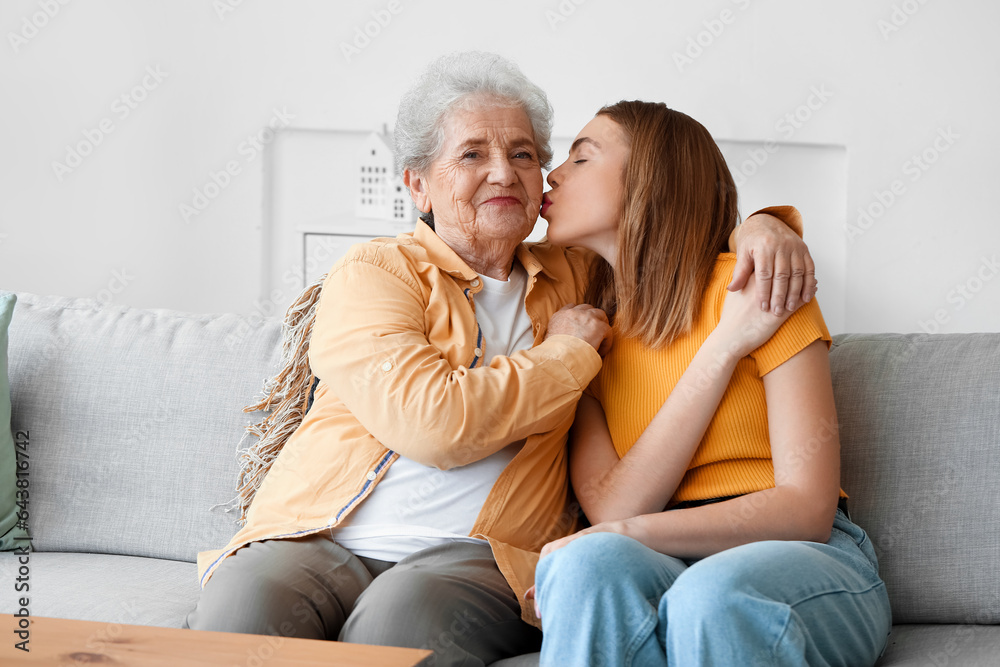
[418,190]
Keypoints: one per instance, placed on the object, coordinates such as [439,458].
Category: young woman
[705,453]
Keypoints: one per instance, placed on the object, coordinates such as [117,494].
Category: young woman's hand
[744,326]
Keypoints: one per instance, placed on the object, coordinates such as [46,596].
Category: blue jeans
[608,600]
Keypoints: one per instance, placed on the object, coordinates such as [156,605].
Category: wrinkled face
[486,183]
[584,206]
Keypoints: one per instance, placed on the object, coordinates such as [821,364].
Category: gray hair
[457,79]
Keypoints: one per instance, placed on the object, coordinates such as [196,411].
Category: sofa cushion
[10,527]
[106,588]
[920,434]
[526,660]
[940,645]
[134,419]
[909,646]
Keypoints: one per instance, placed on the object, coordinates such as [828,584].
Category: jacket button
[387,366]
[475,282]
[477,352]
[371,476]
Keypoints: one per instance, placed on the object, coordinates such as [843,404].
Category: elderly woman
[411,503]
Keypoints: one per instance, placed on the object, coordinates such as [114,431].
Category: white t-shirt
[416,506]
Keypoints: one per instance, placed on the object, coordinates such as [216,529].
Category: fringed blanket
[286,396]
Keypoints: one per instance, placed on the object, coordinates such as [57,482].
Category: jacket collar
[531,263]
[441,255]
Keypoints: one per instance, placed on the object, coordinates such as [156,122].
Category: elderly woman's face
[487,180]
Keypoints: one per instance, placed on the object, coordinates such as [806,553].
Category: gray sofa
[133,417]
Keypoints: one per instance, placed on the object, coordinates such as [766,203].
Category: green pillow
[10,531]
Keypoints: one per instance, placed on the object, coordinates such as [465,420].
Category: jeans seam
[639,637]
[865,539]
[781,635]
[790,606]
[837,591]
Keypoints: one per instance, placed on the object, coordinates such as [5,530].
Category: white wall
[111,228]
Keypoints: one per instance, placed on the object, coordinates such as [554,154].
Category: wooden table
[71,643]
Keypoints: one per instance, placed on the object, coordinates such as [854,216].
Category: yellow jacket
[399,356]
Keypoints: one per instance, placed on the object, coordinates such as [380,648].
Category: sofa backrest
[919,423]
[133,418]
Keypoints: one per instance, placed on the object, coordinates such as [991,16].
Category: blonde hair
[678,209]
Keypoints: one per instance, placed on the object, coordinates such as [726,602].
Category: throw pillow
[9,529]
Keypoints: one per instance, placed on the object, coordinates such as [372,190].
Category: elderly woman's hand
[786,275]
[585,322]
[619,527]
[530,594]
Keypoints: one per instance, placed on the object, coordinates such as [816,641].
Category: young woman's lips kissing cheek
[546,203]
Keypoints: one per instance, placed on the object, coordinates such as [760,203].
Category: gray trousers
[451,599]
